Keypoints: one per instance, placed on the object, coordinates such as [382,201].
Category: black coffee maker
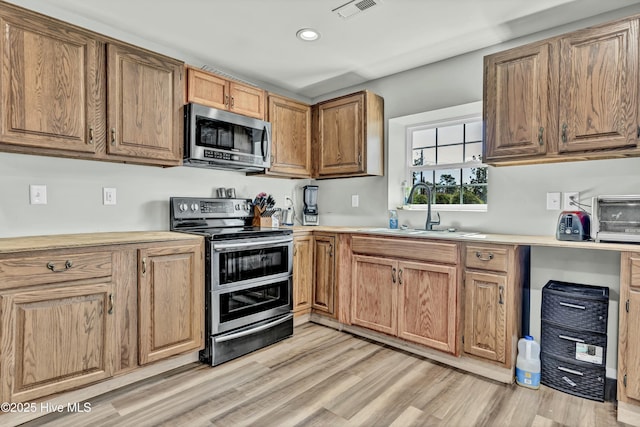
[310,212]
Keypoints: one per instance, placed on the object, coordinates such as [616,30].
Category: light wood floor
[322,377]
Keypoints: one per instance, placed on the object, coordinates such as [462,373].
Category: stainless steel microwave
[220,139]
[616,218]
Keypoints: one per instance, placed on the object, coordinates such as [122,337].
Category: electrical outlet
[355,200]
[108,196]
[553,201]
[568,201]
[38,194]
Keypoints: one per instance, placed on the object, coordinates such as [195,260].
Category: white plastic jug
[528,363]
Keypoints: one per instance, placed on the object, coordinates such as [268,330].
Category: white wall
[517,194]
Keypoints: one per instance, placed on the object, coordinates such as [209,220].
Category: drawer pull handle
[393,274]
[144,266]
[400,276]
[579,307]
[90,134]
[113,136]
[570,371]
[110,304]
[564,337]
[500,294]
[67,265]
[489,256]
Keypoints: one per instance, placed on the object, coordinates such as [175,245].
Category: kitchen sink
[437,233]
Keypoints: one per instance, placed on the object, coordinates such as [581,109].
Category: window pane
[473,132]
[423,138]
[425,176]
[473,151]
[448,177]
[474,176]
[424,156]
[476,194]
[450,135]
[450,154]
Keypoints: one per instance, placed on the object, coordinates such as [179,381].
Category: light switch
[553,201]
[108,196]
[38,194]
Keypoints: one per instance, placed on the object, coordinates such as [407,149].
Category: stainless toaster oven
[616,218]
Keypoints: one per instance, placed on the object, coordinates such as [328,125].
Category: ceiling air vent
[354,7]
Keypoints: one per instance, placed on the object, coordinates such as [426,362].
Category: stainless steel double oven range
[248,276]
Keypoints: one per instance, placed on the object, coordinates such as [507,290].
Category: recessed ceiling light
[308,34]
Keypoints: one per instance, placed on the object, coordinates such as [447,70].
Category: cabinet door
[302,272]
[247,100]
[374,293]
[49,86]
[324,277]
[144,103]
[629,339]
[207,89]
[598,85]
[427,304]
[485,322]
[516,102]
[290,137]
[341,136]
[55,339]
[170,301]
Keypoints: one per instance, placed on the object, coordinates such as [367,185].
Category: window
[447,156]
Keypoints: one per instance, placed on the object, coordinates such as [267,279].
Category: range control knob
[194,207]
[183,207]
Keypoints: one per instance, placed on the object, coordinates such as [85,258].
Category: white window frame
[442,118]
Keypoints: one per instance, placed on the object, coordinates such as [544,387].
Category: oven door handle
[253,330]
[254,243]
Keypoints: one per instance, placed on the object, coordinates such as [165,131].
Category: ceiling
[255,39]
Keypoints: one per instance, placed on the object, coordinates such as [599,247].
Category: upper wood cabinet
[517,102]
[571,97]
[290,137]
[209,89]
[66,91]
[349,136]
[599,88]
[50,85]
[144,104]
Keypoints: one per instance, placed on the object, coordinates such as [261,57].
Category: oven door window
[241,265]
[245,302]
[213,133]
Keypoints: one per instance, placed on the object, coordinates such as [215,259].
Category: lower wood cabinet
[494,278]
[416,301]
[56,338]
[629,339]
[170,319]
[68,315]
[324,283]
[303,270]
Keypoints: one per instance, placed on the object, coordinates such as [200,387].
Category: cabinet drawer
[494,258]
[577,378]
[54,268]
[416,249]
[572,344]
[567,309]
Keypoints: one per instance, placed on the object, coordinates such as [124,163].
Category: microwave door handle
[263,146]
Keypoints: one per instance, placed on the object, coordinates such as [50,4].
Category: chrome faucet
[429,224]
